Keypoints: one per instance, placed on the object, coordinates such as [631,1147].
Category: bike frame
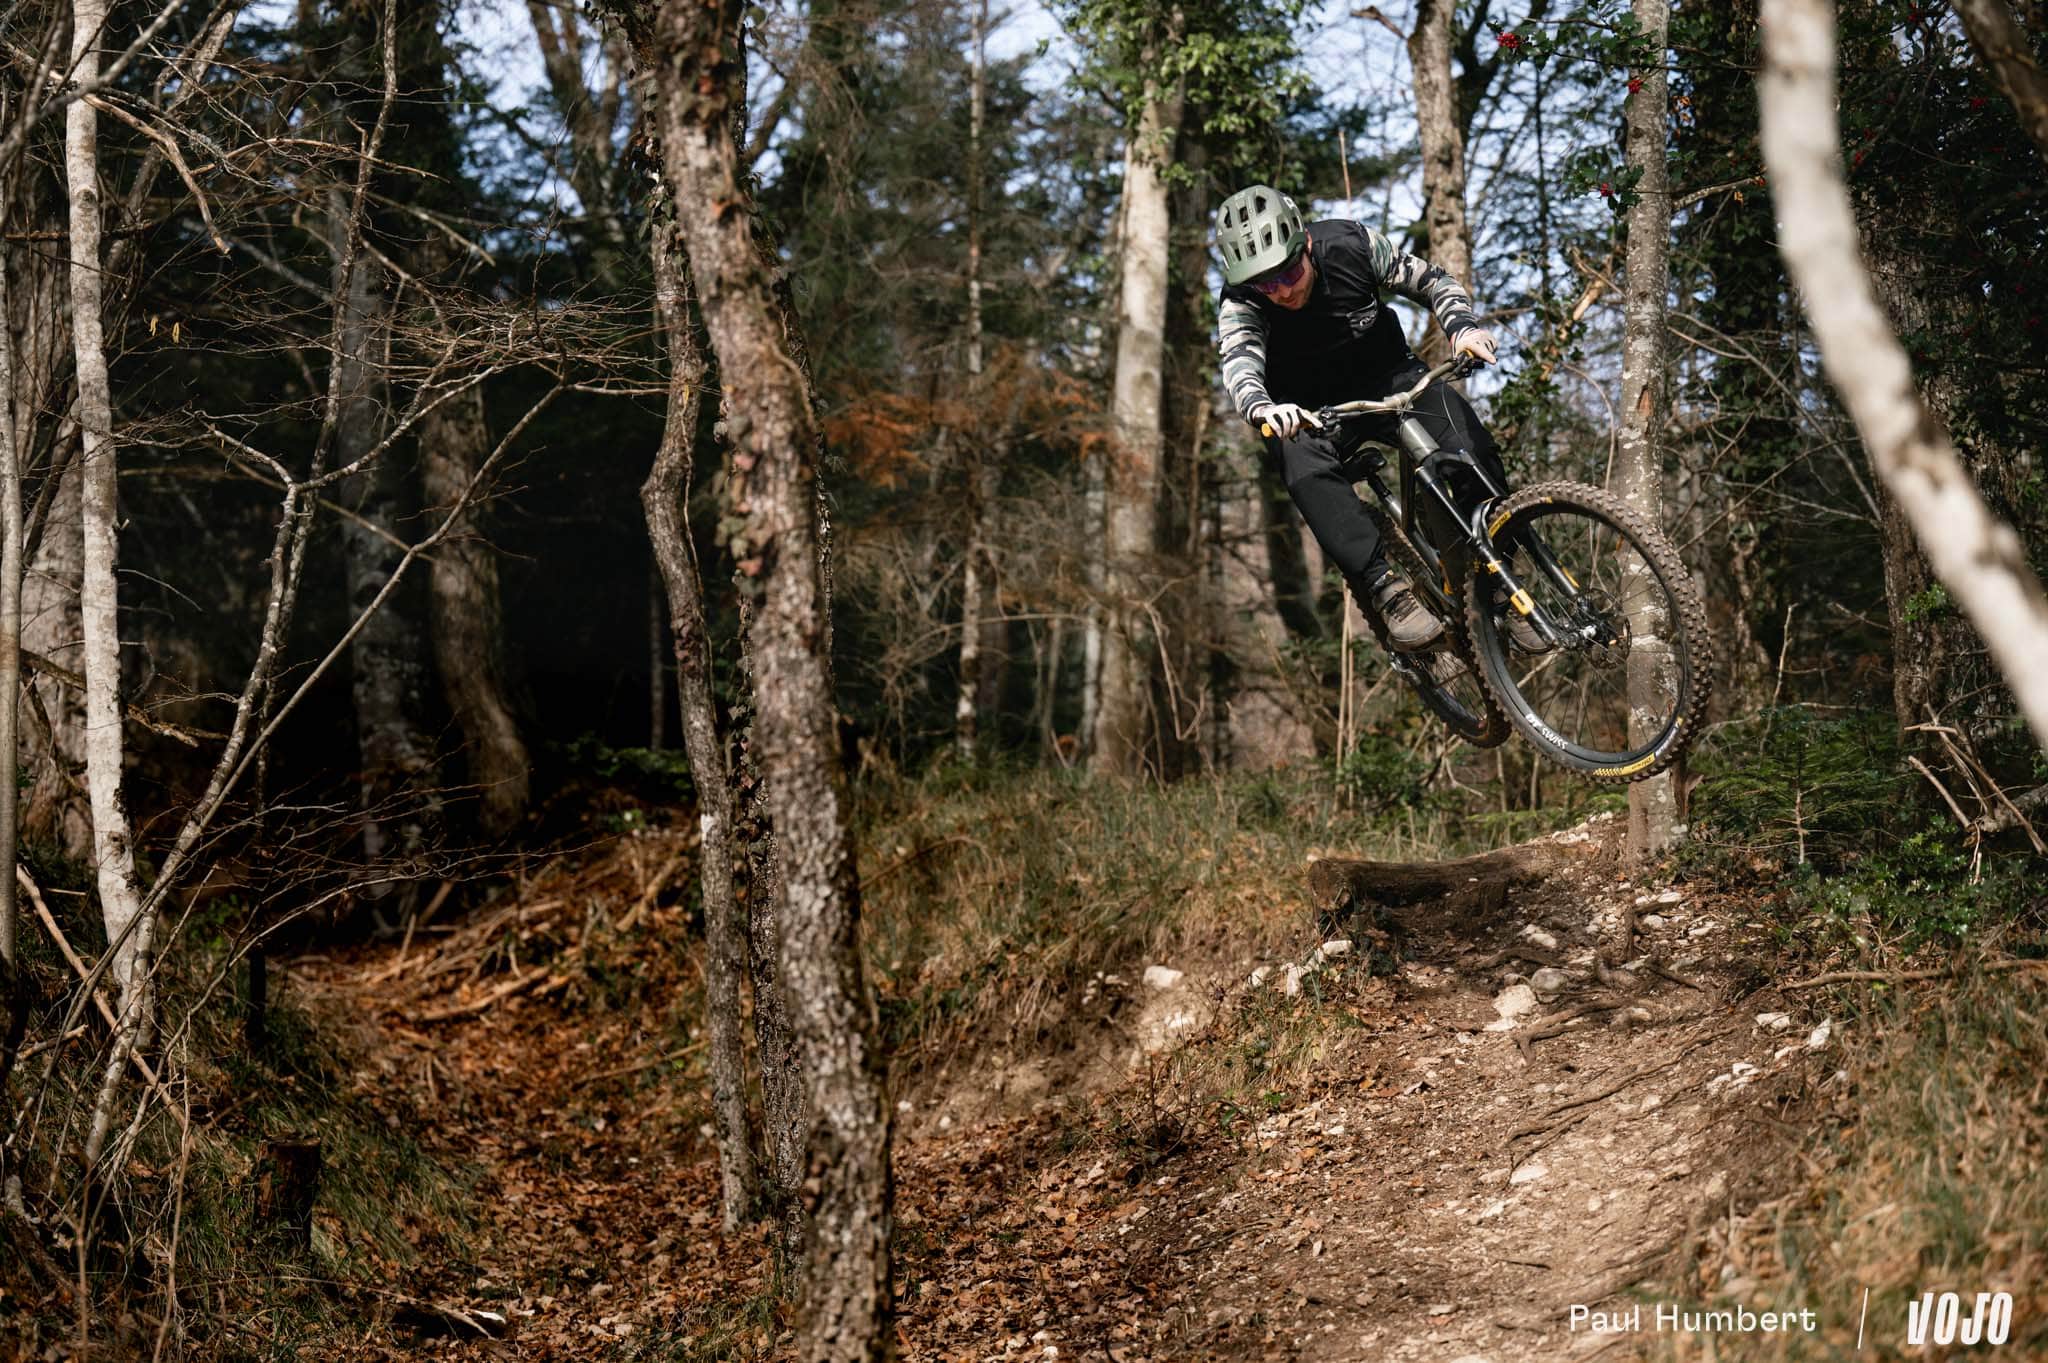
[1422,464]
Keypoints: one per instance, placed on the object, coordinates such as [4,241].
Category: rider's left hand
[1476,342]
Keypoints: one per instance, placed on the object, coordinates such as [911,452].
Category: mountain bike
[1606,601]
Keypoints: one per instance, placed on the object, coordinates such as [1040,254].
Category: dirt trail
[1445,1188]
[1454,1193]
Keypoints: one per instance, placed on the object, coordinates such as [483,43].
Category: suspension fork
[1478,542]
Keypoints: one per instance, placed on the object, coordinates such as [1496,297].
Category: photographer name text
[1668,1318]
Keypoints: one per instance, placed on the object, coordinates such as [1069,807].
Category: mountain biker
[1301,325]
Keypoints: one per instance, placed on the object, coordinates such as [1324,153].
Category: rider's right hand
[1283,419]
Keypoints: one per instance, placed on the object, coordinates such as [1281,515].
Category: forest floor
[1445,1167]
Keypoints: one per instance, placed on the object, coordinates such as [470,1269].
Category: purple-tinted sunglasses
[1286,279]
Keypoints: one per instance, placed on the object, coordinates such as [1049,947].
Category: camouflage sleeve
[1415,278]
[1241,338]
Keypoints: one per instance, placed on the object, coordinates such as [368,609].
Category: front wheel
[1619,691]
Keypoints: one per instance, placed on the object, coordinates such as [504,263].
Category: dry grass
[1929,1174]
[996,912]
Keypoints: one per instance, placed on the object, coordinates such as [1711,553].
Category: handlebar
[1457,367]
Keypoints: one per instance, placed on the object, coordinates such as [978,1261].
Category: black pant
[1321,473]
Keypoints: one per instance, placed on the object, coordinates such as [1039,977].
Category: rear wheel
[1628,618]
[1446,677]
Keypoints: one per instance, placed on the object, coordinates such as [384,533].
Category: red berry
[1635,83]
[1510,41]
[1606,190]
[1978,101]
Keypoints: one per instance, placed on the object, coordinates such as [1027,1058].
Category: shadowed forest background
[633,622]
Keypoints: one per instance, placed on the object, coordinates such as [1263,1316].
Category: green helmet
[1257,229]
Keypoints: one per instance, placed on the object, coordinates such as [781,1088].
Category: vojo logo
[1940,1319]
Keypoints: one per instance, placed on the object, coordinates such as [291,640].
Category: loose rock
[1162,977]
[1549,981]
[1514,1001]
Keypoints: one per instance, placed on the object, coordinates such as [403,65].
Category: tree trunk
[975,459]
[1978,557]
[785,1113]
[465,616]
[1131,522]
[51,748]
[658,650]
[12,440]
[663,497]
[387,656]
[1653,811]
[2003,46]
[772,499]
[1443,156]
[57,812]
[1264,729]
[130,935]
[1193,625]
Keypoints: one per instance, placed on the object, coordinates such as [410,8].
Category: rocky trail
[1497,1126]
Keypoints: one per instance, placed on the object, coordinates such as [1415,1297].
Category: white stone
[1701,929]
[1818,1037]
[1259,976]
[1514,1001]
[1161,977]
[1290,980]
[1538,937]
[1774,1022]
[1670,897]
[1549,980]
[1652,920]
[1337,946]
[1529,1173]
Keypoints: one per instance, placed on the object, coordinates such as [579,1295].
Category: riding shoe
[1410,625]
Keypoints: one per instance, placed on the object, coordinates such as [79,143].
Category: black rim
[1607,595]
[1458,700]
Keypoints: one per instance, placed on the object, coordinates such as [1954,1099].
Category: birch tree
[1131,512]
[979,461]
[130,932]
[1977,557]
